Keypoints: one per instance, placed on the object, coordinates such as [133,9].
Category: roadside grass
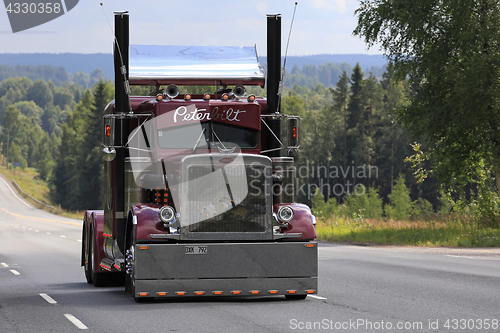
[27,179]
[450,231]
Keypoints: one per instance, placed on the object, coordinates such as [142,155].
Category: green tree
[90,182]
[402,205]
[448,50]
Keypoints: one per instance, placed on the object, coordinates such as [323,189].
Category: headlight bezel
[285,214]
[167,214]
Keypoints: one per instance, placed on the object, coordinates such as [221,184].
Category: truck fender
[96,223]
[302,221]
[146,221]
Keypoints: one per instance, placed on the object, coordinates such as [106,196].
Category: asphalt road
[361,289]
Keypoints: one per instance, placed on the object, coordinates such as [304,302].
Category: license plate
[196,250]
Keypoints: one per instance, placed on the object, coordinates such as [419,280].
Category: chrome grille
[226,198]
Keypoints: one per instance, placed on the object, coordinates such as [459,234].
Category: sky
[320,26]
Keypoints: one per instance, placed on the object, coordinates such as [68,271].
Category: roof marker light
[206,96]
[251,98]
[159,97]
[225,97]
[187,97]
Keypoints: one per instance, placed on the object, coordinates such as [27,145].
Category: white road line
[76,322]
[48,233]
[5,265]
[13,271]
[63,236]
[454,256]
[48,298]
[10,188]
[79,240]
[37,230]
[317,297]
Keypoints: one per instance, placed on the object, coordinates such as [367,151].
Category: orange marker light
[291,291]
[199,292]
[294,132]
[161,294]
[143,294]
[273,291]
[159,97]
[251,98]
[312,291]
[187,97]
[254,292]
[235,292]
[108,131]
[225,97]
[206,96]
[180,293]
[217,292]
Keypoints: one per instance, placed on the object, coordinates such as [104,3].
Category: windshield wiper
[198,141]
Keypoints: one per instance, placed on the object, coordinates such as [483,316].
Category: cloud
[341,5]
[262,7]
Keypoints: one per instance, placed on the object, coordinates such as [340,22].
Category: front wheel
[294,296]
[130,269]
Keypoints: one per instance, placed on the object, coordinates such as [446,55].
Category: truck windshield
[204,135]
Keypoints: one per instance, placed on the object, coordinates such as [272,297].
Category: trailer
[199,188]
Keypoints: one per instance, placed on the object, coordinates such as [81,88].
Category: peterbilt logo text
[183,114]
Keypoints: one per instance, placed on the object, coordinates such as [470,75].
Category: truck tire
[98,279]
[86,252]
[296,296]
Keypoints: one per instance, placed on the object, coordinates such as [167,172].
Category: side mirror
[108,154]
[293,132]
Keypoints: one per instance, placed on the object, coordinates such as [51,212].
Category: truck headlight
[285,214]
[167,214]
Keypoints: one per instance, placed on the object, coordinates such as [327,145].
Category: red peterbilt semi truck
[199,189]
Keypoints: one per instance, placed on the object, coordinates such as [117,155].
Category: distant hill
[76,62]
[81,68]
[72,62]
[366,61]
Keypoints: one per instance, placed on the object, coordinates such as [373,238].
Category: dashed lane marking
[48,298]
[76,322]
[13,271]
[5,265]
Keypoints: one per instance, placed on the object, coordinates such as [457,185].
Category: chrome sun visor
[195,65]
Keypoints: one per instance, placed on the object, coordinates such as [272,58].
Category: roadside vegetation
[29,181]
[363,220]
